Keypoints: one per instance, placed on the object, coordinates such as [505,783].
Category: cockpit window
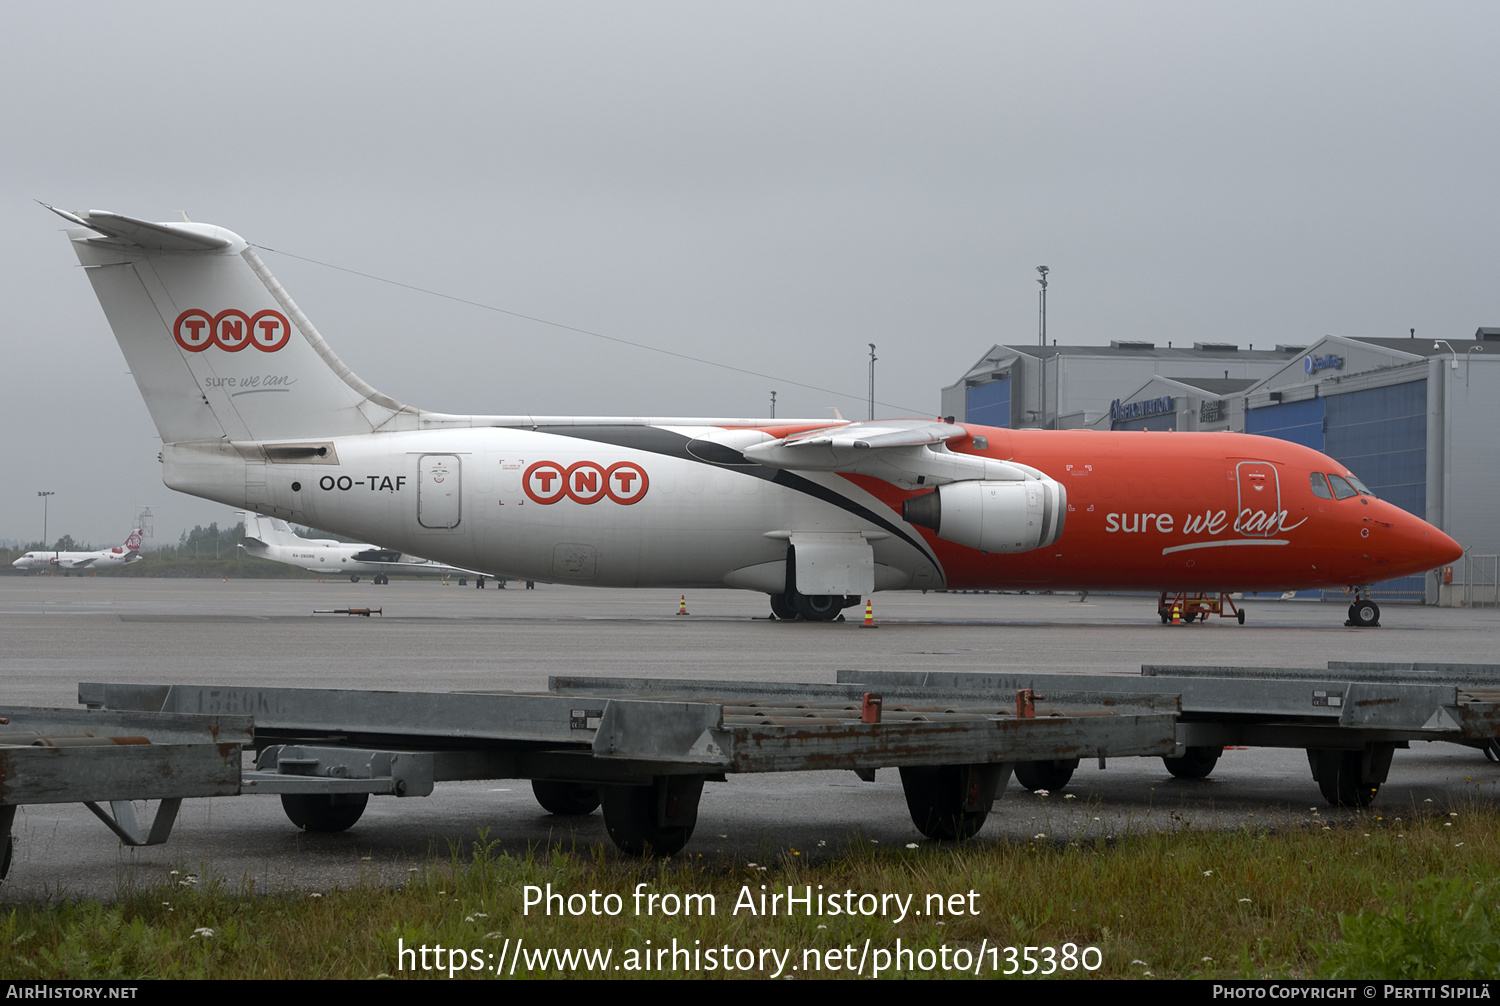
[1342,490]
[1363,490]
[1320,486]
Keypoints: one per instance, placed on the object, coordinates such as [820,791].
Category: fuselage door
[1259,510]
[439,490]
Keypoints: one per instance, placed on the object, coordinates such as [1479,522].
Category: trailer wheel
[324,812]
[5,857]
[1196,763]
[565,798]
[654,820]
[783,608]
[1048,775]
[951,802]
[1339,779]
[1241,615]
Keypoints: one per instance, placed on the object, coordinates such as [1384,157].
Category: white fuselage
[495,499]
[103,559]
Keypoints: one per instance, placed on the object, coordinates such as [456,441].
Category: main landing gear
[811,607]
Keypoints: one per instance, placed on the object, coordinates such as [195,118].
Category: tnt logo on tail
[231,330]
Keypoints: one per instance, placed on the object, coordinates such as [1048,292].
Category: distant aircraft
[105,558]
[255,410]
[269,538]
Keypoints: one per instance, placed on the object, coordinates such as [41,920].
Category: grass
[1405,895]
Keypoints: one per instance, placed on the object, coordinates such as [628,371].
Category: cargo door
[1258,514]
[439,491]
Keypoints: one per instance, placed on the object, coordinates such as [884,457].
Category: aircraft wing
[82,563]
[909,453]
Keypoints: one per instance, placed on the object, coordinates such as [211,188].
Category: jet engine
[993,516]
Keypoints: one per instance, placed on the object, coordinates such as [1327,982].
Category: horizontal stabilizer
[145,234]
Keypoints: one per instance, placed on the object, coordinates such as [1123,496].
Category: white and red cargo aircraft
[256,411]
[105,558]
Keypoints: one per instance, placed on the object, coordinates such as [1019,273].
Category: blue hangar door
[1381,435]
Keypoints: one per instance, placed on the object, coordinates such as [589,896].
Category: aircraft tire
[353,577]
[632,815]
[818,607]
[1365,614]
[1049,775]
[783,608]
[1196,763]
[937,797]
[324,812]
[565,798]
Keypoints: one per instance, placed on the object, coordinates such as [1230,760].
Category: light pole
[872,380]
[44,496]
[1041,338]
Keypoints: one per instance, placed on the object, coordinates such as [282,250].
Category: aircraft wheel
[655,820]
[1048,775]
[353,578]
[1338,779]
[1196,763]
[818,607]
[324,812]
[1364,614]
[951,802]
[783,608]
[566,798]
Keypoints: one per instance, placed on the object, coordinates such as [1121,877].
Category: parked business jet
[105,558]
[256,411]
[270,538]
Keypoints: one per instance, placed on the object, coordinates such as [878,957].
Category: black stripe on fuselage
[655,440]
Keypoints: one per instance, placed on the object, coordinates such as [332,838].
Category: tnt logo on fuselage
[231,330]
[586,482]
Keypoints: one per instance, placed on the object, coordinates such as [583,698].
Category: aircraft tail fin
[270,531]
[216,346]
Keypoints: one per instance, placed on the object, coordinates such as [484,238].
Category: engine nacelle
[993,516]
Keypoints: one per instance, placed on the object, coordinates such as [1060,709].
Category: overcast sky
[770,186]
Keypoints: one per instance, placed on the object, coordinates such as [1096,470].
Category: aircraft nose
[1420,546]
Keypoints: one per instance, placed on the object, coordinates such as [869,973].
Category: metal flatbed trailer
[644,747]
[1350,718]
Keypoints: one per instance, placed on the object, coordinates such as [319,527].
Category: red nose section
[1417,546]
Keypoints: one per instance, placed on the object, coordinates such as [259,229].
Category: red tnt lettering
[199,330]
[627,482]
[587,482]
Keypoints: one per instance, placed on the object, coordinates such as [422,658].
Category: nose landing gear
[1363,613]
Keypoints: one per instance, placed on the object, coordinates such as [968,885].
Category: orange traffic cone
[682,605]
[1176,613]
[869,615]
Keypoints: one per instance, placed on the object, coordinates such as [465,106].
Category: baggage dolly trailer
[643,748]
[1350,718]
